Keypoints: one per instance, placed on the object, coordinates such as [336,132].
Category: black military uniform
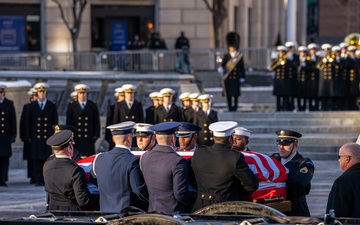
[7,134]
[123,113]
[352,70]
[340,82]
[293,62]
[221,172]
[204,121]
[87,121]
[301,81]
[39,122]
[173,114]
[301,171]
[312,80]
[232,81]
[65,181]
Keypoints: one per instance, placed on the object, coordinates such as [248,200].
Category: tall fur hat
[233,39]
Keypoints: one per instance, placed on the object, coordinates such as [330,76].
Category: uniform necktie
[42,106]
[83,105]
[129,105]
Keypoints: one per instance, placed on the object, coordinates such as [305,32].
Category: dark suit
[301,171]
[39,123]
[122,112]
[27,144]
[232,82]
[65,184]
[7,136]
[344,196]
[204,121]
[220,175]
[87,122]
[161,115]
[166,176]
[120,181]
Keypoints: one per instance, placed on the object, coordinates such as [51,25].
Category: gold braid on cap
[69,141]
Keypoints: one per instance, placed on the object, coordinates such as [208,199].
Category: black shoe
[3,184]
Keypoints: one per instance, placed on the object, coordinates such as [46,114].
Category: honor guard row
[319,80]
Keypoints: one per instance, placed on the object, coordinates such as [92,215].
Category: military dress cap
[233,40]
[143,129]
[166,128]
[166,92]
[129,88]
[335,49]
[60,127]
[352,48]
[194,96]
[2,87]
[302,49]
[223,128]
[186,129]
[81,88]
[281,48]
[289,44]
[242,131]
[312,46]
[357,53]
[184,96]
[155,95]
[60,140]
[73,94]
[343,45]
[41,86]
[122,128]
[287,137]
[30,93]
[326,46]
[205,98]
[119,91]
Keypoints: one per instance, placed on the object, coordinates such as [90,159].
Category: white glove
[242,80]
[220,70]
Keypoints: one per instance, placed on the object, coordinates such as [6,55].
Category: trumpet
[329,58]
[279,61]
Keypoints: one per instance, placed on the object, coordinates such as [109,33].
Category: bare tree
[219,13]
[77,9]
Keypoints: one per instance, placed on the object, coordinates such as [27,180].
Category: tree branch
[62,14]
[208,6]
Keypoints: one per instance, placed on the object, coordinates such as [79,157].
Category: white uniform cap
[128,88]
[2,87]
[335,49]
[205,98]
[289,44]
[31,92]
[223,128]
[154,94]
[81,88]
[119,90]
[343,45]
[281,48]
[143,129]
[121,128]
[194,96]
[242,131]
[184,96]
[312,46]
[357,52]
[351,48]
[73,94]
[302,49]
[326,46]
[167,92]
[41,86]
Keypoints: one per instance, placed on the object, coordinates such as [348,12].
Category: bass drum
[239,207]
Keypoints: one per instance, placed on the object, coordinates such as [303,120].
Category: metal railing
[141,60]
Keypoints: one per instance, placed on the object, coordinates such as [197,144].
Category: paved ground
[22,199]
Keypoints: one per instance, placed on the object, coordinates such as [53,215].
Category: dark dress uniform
[344,196]
[301,87]
[218,181]
[121,183]
[87,122]
[301,171]
[166,176]
[292,72]
[149,114]
[232,82]
[27,144]
[283,84]
[340,84]
[7,136]
[312,84]
[204,121]
[352,69]
[122,112]
[39,123]
[109,121]
[174,114]
[189,114]
[65,184]
[326,67]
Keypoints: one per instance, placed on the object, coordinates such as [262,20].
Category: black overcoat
[7,127]
[204,121]
[174,114]
[232,82]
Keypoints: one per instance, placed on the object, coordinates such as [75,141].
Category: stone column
[291,21]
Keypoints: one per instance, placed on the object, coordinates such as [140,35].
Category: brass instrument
[279,61]
[353,39]
[329,58]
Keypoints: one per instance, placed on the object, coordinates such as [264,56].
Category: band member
[312,86]
[292,71]
[340,81]
[352,70]
[203,118]
[301,79]
[233,71]
[7,134]
[84,115]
